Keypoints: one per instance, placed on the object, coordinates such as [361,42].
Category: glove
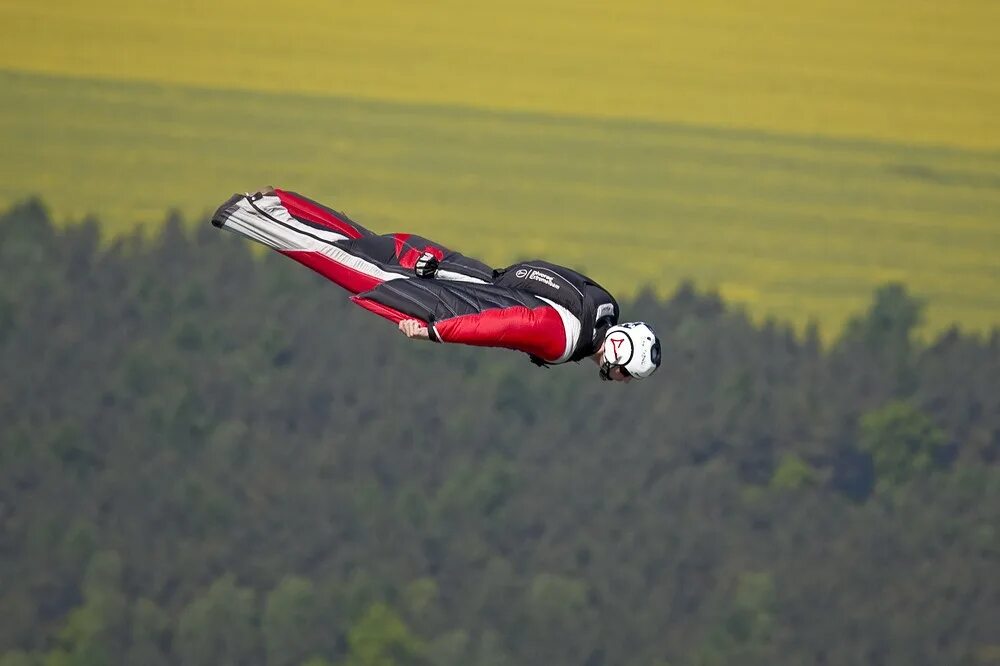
[426,265]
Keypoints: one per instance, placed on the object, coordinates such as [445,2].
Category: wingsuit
[552,313]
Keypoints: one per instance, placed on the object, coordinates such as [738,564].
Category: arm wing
[477,314]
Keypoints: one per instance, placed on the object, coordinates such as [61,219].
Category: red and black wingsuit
[552,313]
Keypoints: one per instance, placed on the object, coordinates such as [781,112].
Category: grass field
[801,228]
[916,71]
[792,154]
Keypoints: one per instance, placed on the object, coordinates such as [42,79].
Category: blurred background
[207,456]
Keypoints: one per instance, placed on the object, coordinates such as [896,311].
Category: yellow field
[798,228]
[919,71]
[792,154]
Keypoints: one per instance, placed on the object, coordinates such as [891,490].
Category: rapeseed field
[792,155]
[908,70]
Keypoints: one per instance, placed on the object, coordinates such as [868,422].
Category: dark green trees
[211,457]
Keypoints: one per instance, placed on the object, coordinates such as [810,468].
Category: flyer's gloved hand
[426,265]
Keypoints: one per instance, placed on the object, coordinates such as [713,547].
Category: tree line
[210,457]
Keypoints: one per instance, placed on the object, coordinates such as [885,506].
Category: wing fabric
[335,246]
[308,211]
[460,304]
[478,314]
[314,238]
[399,250]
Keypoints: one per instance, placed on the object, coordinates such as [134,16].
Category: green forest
[210,457]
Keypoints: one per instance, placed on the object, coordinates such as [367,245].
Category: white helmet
[633,347]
